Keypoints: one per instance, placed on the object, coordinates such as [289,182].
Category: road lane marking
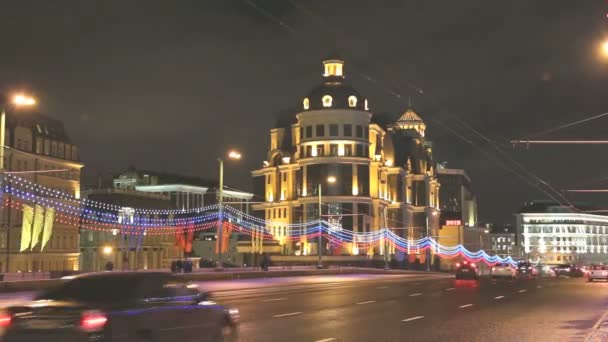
[382,287]
[465,306]
[499,297]
[368,302]
[274,299]
[327,339]
[287,314]
[522,291]
[412,318]
[449,289]
[415,294]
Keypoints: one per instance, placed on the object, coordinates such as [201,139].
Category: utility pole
[320,237]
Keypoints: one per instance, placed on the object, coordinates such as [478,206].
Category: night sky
[170,85]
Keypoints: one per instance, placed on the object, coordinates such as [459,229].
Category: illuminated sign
[453,222]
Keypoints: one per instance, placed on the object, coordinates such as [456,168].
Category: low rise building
[126,251]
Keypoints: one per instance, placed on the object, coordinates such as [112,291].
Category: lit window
[366,106]
[327,100]
[306,103]
[352,101]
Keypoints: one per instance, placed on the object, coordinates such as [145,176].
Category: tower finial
[409,101]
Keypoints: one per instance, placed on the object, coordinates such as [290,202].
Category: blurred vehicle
[125,306]
[466,270]
[526,270]
[569,270]
[564,269]
[503,270]
[597,272]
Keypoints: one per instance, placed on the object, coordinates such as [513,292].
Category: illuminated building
[382,172]
[41,152]
[458,202]
[550,233]
[127,251]
[190,193]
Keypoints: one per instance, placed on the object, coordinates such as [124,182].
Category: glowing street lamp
[107,250]
[604,48]
[19,100]
[234,155]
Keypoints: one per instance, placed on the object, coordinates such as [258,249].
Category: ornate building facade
[40,151]
[370,174]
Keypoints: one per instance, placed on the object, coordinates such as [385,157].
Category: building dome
[334,93]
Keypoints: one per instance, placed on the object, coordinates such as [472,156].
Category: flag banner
[26,227]
[38,221]
[47,231]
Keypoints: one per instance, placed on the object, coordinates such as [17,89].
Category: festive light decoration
[103,217]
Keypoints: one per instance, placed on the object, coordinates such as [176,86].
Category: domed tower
[361,170]
[328,150]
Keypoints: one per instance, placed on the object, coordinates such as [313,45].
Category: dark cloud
[171,85]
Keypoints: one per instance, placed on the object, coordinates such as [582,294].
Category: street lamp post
[330,180]
[18,100]
[231,155]
[428,250]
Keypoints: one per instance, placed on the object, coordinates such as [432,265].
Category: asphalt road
[420,308]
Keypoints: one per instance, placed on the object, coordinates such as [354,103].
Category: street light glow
[605,48]
[107,250]
[23,100]
[331,179]
[234,155]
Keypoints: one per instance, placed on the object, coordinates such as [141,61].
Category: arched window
[327,100]
[306,103]
[352,101]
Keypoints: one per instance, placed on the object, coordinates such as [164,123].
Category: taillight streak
[93,321]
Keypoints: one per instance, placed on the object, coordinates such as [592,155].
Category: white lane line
[287,314]
[382,287]
[368,302]
[522,291]
[327,339]
[412,318]
[415,294]
[499,297]
[450,289]
[465,306]
[274,299]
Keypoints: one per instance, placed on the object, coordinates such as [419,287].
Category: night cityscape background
[265,170]
[170,75]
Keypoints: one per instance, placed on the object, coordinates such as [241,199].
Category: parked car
[125,306]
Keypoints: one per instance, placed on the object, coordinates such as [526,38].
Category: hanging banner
[26,227]
[38,221]
[47,231]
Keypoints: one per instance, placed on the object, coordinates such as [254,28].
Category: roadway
[420,308]
[409,307]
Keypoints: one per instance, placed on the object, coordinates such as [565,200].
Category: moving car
[466,270]
[526,270]
[121,306]
[503,270]
[597,272]
[564,269]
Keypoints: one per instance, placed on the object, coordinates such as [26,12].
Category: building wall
[563,237]
[39,144]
